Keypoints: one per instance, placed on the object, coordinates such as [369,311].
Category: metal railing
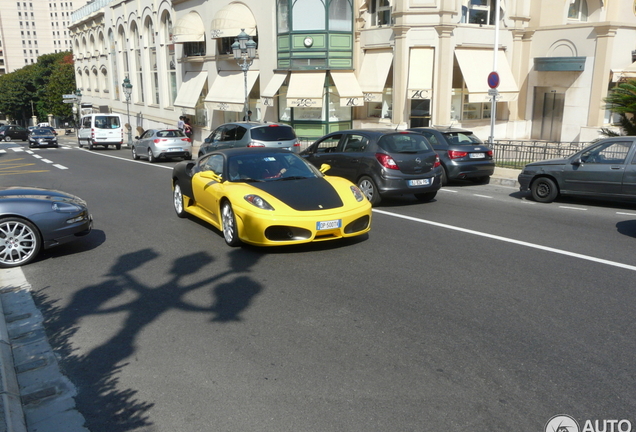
[516,153]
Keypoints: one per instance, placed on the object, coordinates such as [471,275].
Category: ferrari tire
[135,156]
[177,200]
[369,189]
[230,231]
[19,242]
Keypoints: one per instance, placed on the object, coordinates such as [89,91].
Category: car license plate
[325,225]
[174,149]
[420,182]
[477,155]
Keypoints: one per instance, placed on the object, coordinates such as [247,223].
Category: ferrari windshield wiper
[292,178]
[249,180]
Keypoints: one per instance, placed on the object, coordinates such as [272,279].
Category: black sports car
[32,219]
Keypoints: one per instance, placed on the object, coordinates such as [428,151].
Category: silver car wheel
[230,232]
[177,196]
[19,242]
[369,190]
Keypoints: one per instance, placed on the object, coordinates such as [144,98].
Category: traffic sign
[69,101]
[493,80]
[69,96]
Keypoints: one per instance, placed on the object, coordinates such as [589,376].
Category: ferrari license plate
[420,182]
[325,225]
[477,155]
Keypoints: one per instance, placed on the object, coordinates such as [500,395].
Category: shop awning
[476,65]
[228,90]
[421,73]
[306,89]
[267,95]
[348,88]
[373,73]
[188,28]
[624,74]
[190,90]
[230,20]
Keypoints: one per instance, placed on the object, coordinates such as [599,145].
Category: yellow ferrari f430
[268,197]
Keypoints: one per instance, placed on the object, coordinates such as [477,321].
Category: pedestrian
[248,117]
[188,128]
[181,123]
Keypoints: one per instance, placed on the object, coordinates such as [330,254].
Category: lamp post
[127,88]
[78,101]
[244,50]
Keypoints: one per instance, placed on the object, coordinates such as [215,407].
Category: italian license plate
[174,149]
[325,225]
[477,155]
[420,182]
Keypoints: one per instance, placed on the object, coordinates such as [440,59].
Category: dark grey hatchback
[382,162]
[606,169]
[462,154]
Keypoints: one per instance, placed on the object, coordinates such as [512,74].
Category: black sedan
[10,132]
[43,137]
[462,154]
[32,219]
[605,169]
[382,162]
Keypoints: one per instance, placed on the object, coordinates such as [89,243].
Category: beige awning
[373,73]
[624,74]
[230,20]
[476,65]
[306,89]
[267,95]
[188,28]
[421,73]
[190,90]
[348,88]
[228,90]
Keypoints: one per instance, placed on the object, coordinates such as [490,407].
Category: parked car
[32,219]
[382,162]
[462,154]
[250,134]
[9,132]
[162,144]
[605,169]
[268,197]
[42,137]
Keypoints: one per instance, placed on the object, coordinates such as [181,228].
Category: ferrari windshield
[269,167]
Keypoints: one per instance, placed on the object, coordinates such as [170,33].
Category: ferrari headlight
[357,193]
[257,201]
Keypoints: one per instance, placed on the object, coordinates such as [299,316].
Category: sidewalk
[505,177]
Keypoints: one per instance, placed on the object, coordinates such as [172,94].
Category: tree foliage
[37,89]
[622,101]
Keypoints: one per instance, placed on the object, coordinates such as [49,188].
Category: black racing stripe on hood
[303,194]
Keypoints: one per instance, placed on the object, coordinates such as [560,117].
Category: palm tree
[622,101]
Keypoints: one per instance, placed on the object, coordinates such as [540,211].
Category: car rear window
[174,133]
[462,138]
[106,122]
[404,143]
[273,133]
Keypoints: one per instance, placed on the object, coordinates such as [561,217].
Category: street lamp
[127,88]
[78,100]
[244,49]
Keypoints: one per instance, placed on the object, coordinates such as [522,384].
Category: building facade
[32,28]
[325,65]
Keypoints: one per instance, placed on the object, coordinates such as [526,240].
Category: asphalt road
[479,311]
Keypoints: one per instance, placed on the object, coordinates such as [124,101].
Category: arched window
[152,61]
[283,16]
[113,65]
[308,15]
[340,15]
[123,47]
[138,63]
[169,55]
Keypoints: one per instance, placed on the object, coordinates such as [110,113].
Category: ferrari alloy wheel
[135,156]
[230,232]
[177,199]
[19,242]
[369,189]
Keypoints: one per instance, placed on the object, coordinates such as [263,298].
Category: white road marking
[482,196]
[509,240]
[47,161]
[62,167]
[626,214]
[37,156]
[17,149]
[448,190]
[573,208]
[127,160]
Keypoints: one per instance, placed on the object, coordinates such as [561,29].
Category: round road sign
[493,80]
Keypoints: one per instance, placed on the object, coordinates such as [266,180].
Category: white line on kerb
[513,241]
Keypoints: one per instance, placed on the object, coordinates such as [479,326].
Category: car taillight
[489,153]
[437,162]
[157,140]
[253,144]
[185,139]
[386,161]
[454,154]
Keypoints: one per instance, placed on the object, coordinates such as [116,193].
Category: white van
[100,129]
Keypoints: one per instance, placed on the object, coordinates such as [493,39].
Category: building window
[169,50]
[380,11]
[578,10]
[462,109]
[340,18]
[480,12]
[191,49]
[308,15]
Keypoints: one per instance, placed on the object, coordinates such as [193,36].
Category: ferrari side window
[215,164]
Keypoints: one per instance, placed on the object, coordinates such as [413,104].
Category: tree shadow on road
[102,401]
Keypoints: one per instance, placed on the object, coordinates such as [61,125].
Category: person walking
[181,123]
[248,117]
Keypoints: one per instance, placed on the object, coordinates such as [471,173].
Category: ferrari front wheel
[230,231]
[177,199]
